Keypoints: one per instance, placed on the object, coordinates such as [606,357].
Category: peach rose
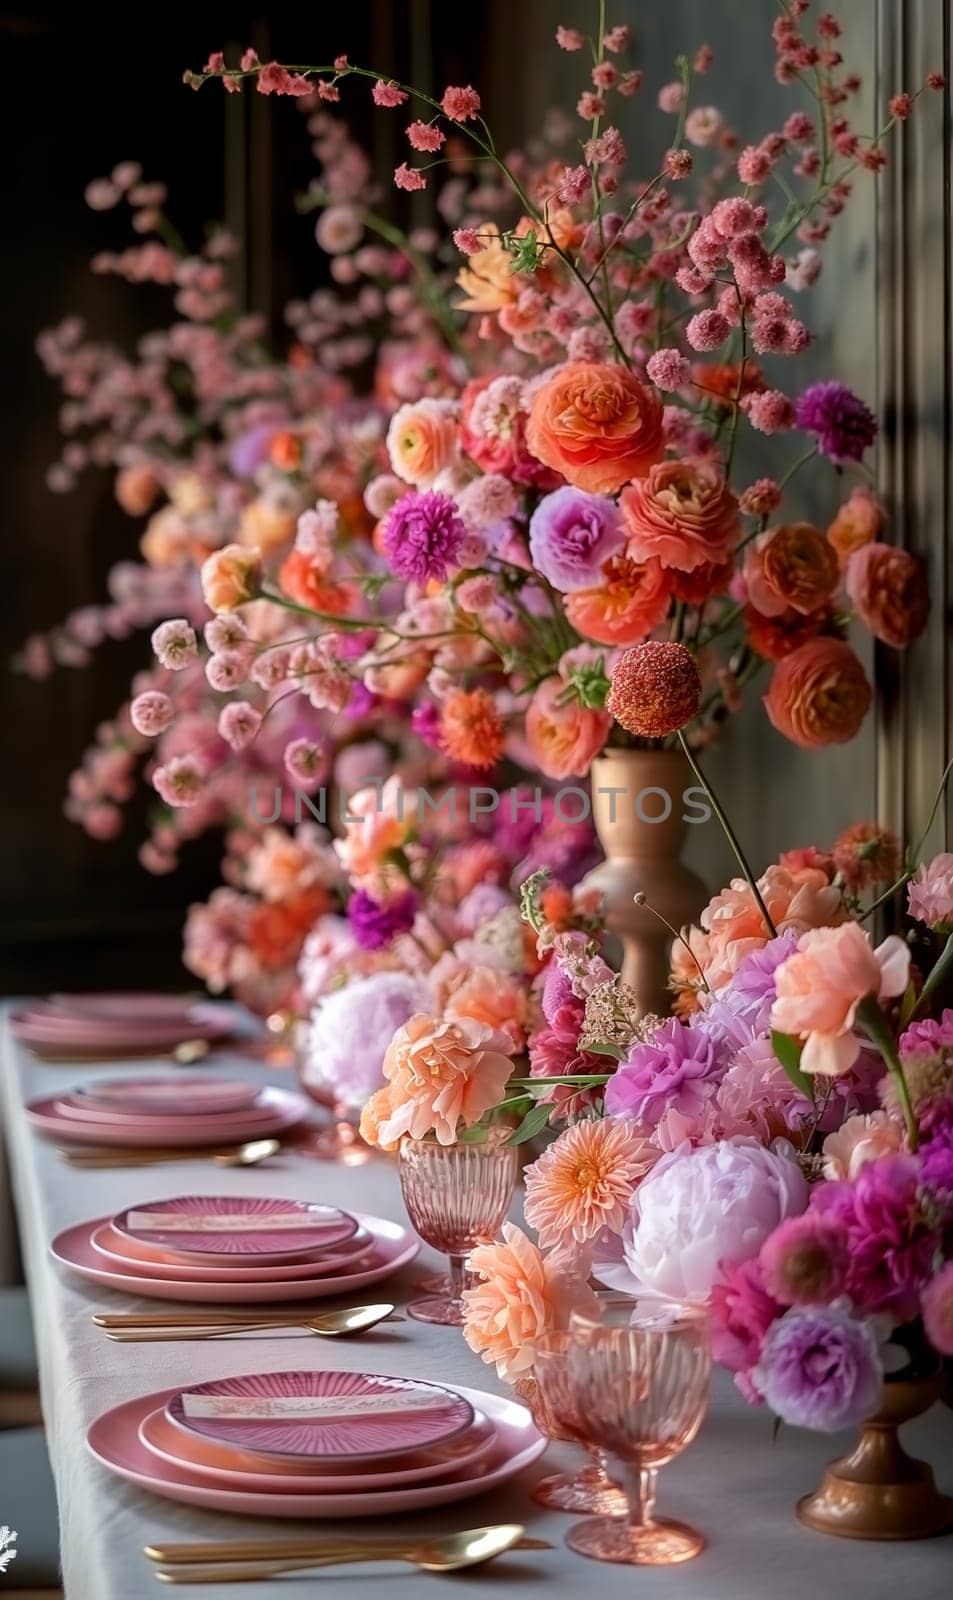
[790,567]
[136,489]
[734,926]
[523,1296]
[564,736]
[229,577]
[681,512]
[376,822]
[442,1075]
[596,424]
[859,1140]
[859,520]
[820,987]
[266,526]
[631,601]
[486,995]
[819,694]
[888,589]
[422,440]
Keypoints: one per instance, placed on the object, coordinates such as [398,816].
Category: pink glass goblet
[456,1195]
[639,1372]
[551,1399]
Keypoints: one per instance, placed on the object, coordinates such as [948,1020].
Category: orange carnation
[819,694]
[790,567]
[683,513]
[631,601]
[597,424]
[471,728]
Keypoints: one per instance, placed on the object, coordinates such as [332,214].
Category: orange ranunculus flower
[888,590]
[790,567]
[422,440]
[695,588]
[858,521]
[277,931]
[301,579]
[719,379]
[266,526]
[488,279]
[776,637]
[631,601]
[597,424]
[564,736]
[229,577]
[819,694]
[683,513]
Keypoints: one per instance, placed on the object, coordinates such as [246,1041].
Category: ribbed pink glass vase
[457,1196]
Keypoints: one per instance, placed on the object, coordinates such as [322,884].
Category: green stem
[729,833]
[943,967]
[870,1016]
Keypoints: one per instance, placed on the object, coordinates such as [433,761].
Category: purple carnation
[422,536]
[374,924]
[844,425]
[820,1369]
[676,1070]
[571,534]
[930,1037]
[891,1245]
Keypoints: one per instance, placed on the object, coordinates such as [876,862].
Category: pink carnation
[669,369]
[460,105]
[408,178]
[569,38]
[467,240]
[180,781]
[424,136]
[930,895]
[175,644]
[707,330]
[770,411]
[387,94]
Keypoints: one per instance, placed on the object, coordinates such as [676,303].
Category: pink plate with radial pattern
[275,1112]
[310,1415]
[122,1253]
[114,1441]
[228,1228]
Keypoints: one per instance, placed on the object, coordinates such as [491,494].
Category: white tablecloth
[734,1483]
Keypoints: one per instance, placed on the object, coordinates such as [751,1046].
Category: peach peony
[442,1075]
[630,602]
[858,521]
[422,440]
[859,1140]
[563,736]
[820,987]
[888,590]
[734,926]
[487,995]
[585,1182]
[819,694]
[790,567]
[683,513]
[596,424]
[522,1297]
[229,577]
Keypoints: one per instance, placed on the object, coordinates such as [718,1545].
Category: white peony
[350,1030]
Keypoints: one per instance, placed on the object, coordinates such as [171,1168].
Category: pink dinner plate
[119,1007]
[212,1227]
[320,1415]
[113,1247]
[394,1247]
[86,1033]
[208,1460]
[280,1110]
[115,1443]
[175,1095]
[234,1121]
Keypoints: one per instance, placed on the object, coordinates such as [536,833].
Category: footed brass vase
[878,1491]
[640,811]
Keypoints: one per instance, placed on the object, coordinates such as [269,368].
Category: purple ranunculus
[571,534]
[375,924]
[890,1243]
[820,1368]
[844,425]
[675,1070]
[421,536]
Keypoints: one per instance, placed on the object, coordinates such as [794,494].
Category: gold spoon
[330,1325]
[450,1553]
[248,1154]
[300,1549]
[186,1054]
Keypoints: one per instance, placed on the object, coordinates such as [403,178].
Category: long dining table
[737,1482]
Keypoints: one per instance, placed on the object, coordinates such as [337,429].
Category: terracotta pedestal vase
[638,811]
[878,1491]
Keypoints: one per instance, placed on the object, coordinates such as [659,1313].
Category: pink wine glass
[456,1195]
[552,1400]
[639,1372]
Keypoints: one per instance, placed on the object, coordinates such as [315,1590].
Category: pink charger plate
[114,1441]
[262,1241]
[230,1468]
[281,1109]
[175,1094]
[108,1244]
[395,1246]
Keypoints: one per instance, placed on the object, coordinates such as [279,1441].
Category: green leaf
[605,1047]
[533,1123]
[475,1135]
[788,1052]
[907,1004]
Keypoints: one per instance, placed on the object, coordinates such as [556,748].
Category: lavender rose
[820,1369]
[571,534]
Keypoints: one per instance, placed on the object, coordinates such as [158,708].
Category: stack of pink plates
[317,1444]
[116,1023]
[169,1111]
[234,1248]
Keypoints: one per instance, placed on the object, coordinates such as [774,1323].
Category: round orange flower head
[791,567]
[471,728]
[819,694]
[656,689]
[597,424]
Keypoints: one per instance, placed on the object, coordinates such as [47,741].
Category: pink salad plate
[174,1095]
[394,1247]
[107,1006]
[115,1442]
[277,1111]
[227,1228]
[152,1123]
[35,1025]
[112,1247]
[319,1415]
[230,1467]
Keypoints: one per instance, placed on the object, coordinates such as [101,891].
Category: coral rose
[629,604]
[820,987]
[596,424]
[683,513]
[442,1075]
[858,521]
[779,636]
[819,694]
[564,736]
[422,440]
[790,567]
[522,1297]
[888,590]
[229,576]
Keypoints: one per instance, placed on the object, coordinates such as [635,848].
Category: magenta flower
[676,1070]
[571,534]
[820,1368]
[889,1241]
[422,535]
[741,1312]
[805,1261]
[375,924]
[844,425]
